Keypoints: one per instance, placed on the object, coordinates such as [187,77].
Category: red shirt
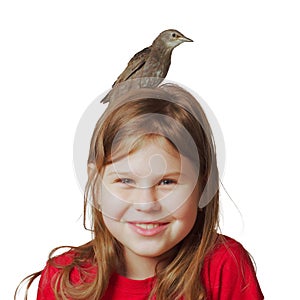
[227,274]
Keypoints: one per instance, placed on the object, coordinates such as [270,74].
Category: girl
[154,198]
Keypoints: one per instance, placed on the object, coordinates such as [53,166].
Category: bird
[152,63]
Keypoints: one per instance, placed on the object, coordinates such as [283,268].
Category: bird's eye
[173,35]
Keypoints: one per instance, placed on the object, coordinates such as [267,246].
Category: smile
[147,226]
[148,229]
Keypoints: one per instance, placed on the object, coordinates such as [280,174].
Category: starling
[152,63]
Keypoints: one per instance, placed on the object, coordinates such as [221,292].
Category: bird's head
[171,38]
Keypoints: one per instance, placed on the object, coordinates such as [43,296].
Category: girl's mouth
[148,229]
[147,226]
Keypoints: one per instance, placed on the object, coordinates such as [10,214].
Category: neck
[137,267]
[161,47]
[165,50]
[141,267]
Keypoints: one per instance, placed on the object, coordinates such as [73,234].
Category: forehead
[151,160]
[140,152]
[130,145]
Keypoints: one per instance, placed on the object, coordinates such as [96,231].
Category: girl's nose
[145,200]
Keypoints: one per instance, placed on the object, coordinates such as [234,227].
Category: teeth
[147,226]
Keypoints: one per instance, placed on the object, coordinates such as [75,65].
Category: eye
[174,35]
[167,181]
[126,181]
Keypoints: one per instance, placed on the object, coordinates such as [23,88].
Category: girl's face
[149,199]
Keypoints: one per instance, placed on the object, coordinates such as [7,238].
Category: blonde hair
[182,276]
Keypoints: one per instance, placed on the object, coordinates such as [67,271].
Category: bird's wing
[136,62]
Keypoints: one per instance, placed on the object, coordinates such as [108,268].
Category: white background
[58,56]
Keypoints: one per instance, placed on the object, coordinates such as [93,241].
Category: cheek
[110,224]
[111,205]
[188,209]
[187,213]
[182,201]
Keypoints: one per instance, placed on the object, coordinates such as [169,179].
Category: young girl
[154,198]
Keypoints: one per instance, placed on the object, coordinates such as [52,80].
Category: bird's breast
[156,68]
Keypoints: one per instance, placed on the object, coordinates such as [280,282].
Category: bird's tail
[106,98]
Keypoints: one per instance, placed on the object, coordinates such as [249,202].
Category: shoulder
[227,256]
[57,263]
[51,273]
[64,263]
[227,249]
[228,272]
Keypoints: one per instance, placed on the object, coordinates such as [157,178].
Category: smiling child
[154,197]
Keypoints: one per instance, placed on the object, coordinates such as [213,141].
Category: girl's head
[168,116]
[153,182]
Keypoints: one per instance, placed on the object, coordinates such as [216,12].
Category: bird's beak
[184,39]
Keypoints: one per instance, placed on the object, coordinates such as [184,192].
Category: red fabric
[227,274]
